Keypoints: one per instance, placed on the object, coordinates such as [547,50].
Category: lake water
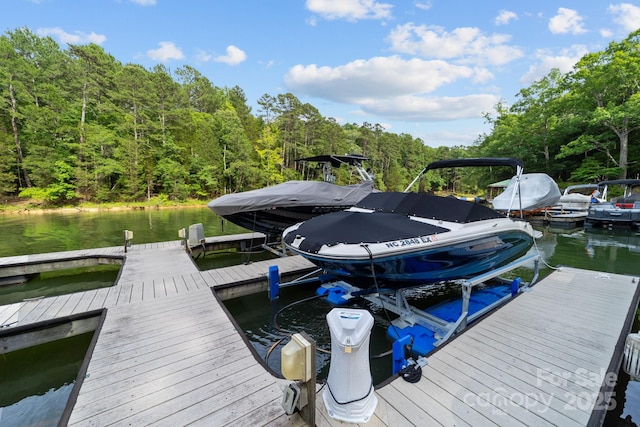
[602,250]
[63,231]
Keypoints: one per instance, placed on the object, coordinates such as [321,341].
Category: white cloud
[430,109]
[166,52]
[606,33]
[505,16]
[234,56]
[351,10]
[382,77]
[424,6]
[202,56]
[144,2]
[465,44]
[267,64]
[463,136]
[546,61]
[626,15]
[76,38]
[566,21]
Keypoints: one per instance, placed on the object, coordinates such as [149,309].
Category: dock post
[631,358]
[274,282]
[182,234]
[128,235]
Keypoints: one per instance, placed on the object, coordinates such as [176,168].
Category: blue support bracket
[399,360]
[335,295]
[515,286]
[274,282]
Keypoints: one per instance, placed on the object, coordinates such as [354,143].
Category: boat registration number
[413,241]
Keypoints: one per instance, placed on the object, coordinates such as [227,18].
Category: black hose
[411,373]
[286,307]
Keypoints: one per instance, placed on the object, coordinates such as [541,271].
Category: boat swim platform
[167,353]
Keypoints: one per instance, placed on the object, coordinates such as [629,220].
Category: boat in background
[402,239]
[272,209]
[579,197]
[623,211]
[528,193]
[571,210]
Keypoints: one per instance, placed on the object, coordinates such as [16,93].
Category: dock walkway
[167,353]
[546,358]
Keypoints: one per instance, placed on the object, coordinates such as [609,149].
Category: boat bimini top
[516,164]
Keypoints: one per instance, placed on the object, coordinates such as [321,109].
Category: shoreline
[81,209]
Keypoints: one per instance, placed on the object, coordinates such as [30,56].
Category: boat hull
[427,265]
[274,221]
[610,215]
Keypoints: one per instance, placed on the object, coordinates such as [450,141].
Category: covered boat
[272,209]
[408,239]
[528,192]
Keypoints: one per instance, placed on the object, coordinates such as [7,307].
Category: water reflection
[36,382]
[610,251]
[63,231]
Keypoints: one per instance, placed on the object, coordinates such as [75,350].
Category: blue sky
[428,68]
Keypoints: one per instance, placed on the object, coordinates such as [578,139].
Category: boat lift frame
[410,315]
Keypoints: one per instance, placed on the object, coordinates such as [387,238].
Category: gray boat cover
[291,193]
[537,190]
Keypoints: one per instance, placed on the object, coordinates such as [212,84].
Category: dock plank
[513,381]
[151,357]
[70,305]
[9,314]
[414,414]
[521,399]
[86,300]
[540,361]
[99,298]
[38,311]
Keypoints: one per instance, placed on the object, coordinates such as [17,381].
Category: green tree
[270,156]
[92,86]
[201,94]
[538,110]
[606,91]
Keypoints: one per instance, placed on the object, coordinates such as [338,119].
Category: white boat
[579,197]
[527,193]
[571,210]
[409,239]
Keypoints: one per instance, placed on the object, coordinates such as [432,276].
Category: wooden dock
[167,352]
[545,358]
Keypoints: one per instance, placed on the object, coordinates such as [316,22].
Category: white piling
[631,361]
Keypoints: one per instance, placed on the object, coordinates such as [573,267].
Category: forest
[76,125]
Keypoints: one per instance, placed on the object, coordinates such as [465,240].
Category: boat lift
[427,329]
